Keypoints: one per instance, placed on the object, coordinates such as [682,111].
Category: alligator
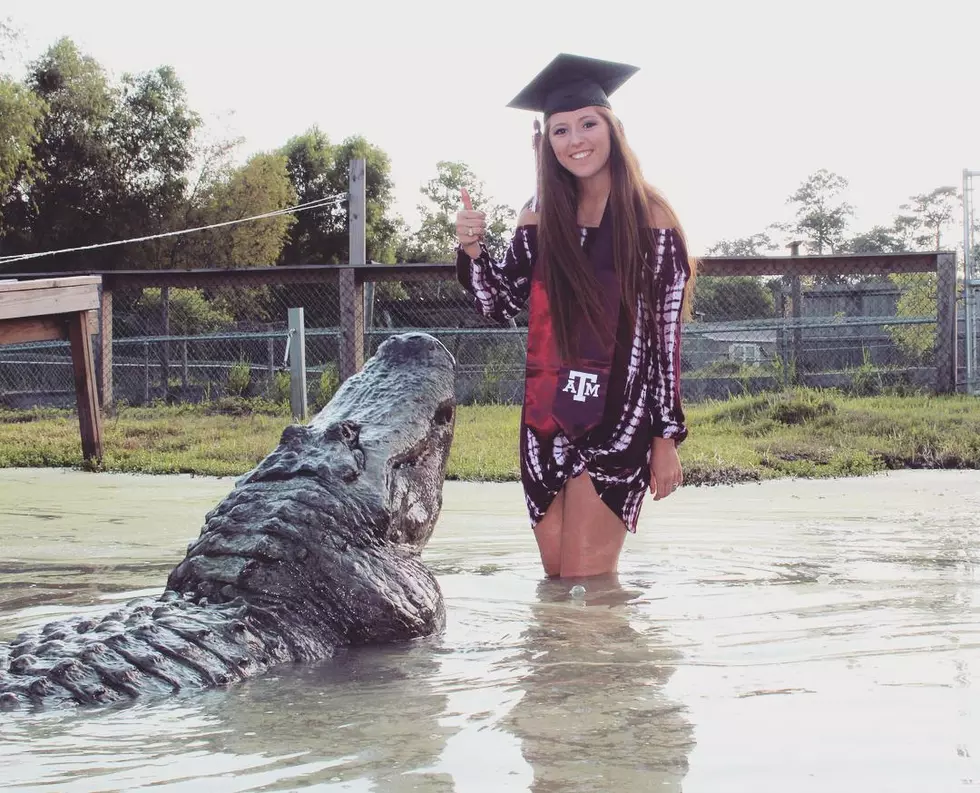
[318,547]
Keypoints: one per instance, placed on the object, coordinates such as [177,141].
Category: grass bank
[804,433]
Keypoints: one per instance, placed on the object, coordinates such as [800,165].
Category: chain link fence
[864,324]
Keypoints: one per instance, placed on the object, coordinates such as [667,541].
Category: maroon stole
[570,396]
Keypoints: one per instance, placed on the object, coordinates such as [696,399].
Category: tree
[310,163]
[320,170]
[821,214]
[880,239]
[730,298]
[260,186]
[917,298]
[930,214]
[380,228]
[112,160]
[21,111]
[435,239]
[756,245]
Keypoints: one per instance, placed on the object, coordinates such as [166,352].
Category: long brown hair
[573,291]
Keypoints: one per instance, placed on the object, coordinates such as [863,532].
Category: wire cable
[317,204]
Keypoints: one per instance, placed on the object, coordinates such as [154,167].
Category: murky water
[790,636]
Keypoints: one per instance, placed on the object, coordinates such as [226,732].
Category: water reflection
[594,714]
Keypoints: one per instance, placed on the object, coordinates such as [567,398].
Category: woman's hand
[470,227]
[666,474]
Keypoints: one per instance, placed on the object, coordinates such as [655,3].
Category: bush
[190,312]
[239,378]
[327,387]
[280,387]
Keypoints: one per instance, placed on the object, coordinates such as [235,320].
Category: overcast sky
[734,105]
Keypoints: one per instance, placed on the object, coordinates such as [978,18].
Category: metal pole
[969,307]
[297,364]
[184,369]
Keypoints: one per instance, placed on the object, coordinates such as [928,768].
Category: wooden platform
[49,309]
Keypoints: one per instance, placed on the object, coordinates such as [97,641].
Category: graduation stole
[570,396]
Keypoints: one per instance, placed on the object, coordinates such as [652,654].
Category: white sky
[735,104]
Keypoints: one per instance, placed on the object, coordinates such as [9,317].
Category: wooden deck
[48,309]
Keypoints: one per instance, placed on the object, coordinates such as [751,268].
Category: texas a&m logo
[582,385]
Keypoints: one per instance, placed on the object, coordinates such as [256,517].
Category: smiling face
[580,141]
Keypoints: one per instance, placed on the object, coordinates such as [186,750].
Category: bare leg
[548,535]
[579,535]
[592,535]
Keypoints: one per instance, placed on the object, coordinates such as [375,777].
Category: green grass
[801,432]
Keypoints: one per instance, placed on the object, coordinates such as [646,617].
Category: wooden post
[105,342]
[351,285]
[165,347]
[297,364]
[270,346]
[946,325]
[86,393]
[796,298]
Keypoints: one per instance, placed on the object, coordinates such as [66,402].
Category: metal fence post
[971,285]
[184,366]
[297,364]
[946,341]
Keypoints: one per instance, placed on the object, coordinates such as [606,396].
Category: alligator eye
[291,433]
[444,414]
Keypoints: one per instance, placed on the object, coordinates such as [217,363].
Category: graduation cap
[570,82]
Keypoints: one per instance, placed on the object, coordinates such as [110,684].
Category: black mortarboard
[570,82]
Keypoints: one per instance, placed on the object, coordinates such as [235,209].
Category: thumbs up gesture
[470,226]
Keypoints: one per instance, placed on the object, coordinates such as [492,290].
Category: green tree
[880,239]
[260,186]
[318,170]
[755,245]
[821,214]
[435,239]
[930,214]
[112,159]
[729,298]
[310,163]
[380,227]
[21,112]
[191,313]
[917,299]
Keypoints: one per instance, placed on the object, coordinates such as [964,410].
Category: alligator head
[325,533]
[317,547]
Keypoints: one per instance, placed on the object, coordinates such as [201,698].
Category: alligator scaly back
[317,547]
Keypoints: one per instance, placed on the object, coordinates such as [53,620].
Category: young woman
[601,258]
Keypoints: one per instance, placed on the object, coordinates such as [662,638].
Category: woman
[603,262]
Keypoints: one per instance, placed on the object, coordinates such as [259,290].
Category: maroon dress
[643,398]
